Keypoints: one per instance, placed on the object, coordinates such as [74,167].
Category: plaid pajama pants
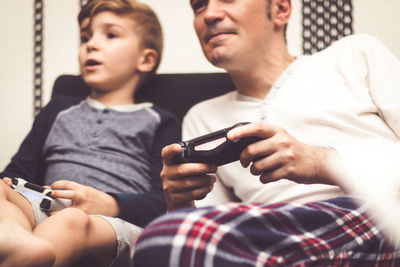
[334,232]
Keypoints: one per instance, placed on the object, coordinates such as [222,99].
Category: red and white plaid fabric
[334,232]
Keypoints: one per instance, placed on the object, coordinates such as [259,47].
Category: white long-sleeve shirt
[346,97]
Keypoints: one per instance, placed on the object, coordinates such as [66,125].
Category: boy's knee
[74,218]
[44,255]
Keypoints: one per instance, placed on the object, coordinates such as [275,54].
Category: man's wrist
[176,206]
[328,158]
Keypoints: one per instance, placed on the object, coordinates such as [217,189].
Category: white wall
[182,52]
[15,75]
[380,18]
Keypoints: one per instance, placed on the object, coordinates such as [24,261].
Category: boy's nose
[91,44]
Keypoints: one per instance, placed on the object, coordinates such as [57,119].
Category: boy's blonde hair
[146,20]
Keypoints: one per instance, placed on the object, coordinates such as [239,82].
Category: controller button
[45,204]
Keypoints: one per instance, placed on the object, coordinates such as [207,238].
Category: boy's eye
[198,4]
[111,35]
[85,38]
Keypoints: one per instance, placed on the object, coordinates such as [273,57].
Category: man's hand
[281,156]
[86,198]
[184,183]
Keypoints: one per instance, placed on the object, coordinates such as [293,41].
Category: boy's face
[110,51]
[231,31]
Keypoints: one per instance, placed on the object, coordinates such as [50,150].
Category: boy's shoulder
[63,102]
[163,113]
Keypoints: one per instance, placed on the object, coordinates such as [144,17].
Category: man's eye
[197,5]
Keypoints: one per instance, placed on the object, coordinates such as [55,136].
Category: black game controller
[42,194]
[214,147]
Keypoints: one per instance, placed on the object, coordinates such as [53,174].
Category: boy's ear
[282,10]
[147,60]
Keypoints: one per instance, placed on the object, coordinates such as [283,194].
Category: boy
[106,141]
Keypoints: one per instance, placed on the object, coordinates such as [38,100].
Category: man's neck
[258,80]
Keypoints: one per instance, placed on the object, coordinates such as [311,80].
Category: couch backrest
[174,92]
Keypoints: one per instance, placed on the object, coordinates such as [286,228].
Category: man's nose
[214,11]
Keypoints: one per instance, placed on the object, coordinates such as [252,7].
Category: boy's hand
[281,156]
[86,198]
[8,181]
[184,183]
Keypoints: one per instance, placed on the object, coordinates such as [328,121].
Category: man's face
[231,30]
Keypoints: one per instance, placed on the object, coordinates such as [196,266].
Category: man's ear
[147,60]
[281,11]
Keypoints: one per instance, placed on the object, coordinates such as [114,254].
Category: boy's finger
[64,194]
[64,184]
[8,181]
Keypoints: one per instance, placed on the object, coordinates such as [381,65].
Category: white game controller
[38,193]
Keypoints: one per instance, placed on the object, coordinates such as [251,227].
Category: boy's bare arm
[86,198]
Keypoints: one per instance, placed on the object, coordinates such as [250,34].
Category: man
[329,123]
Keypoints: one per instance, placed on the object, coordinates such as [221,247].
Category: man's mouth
[210,36]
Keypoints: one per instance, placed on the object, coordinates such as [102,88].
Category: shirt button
[99,121]
[96,134]
[106,111]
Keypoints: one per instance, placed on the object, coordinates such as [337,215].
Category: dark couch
[174,92]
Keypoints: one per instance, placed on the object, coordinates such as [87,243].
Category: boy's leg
[18,246]
[76,235]
[15,207]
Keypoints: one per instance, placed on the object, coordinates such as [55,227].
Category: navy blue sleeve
[140,209]
[28,162]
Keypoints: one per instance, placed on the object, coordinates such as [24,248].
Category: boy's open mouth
[92,62]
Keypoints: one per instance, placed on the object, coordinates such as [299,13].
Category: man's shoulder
[353,43]
[358,38]
[352,48]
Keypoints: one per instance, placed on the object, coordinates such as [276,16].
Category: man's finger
[193,169]
[170,152]
[259,129]
[194,182]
